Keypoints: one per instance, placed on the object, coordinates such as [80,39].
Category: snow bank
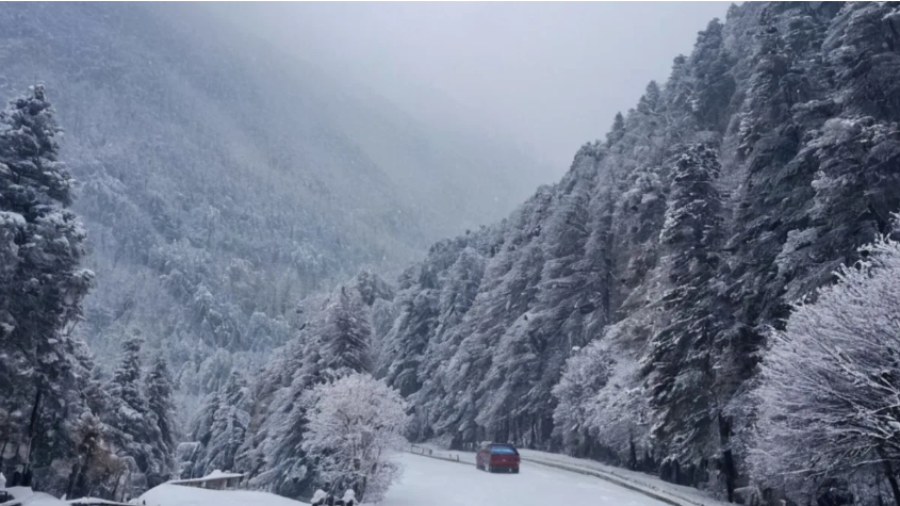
[178,495]
[215,475]
[645,483]
[436,453]
[91,500]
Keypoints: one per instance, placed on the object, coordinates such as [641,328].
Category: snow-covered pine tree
[679,364]
[229,426]
[417,314]
[41,286]
[432,300]
[712,83]
[158,390]
[347,337]
[125,385]
[333,339]
[617,130]
[130,415]
[192,464]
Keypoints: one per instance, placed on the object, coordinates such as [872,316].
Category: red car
[493,457]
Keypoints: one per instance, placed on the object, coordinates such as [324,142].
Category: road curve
[432,482]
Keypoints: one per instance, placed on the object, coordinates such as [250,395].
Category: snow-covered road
[432,482]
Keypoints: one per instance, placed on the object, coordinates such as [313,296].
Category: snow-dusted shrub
[356,424]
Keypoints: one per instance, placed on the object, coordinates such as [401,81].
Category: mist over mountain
[221,180]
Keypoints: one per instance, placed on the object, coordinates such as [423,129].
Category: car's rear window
[503,450]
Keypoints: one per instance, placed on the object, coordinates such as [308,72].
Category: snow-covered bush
[830,386]
[355,425]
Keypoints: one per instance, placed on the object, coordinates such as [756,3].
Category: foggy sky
[548,76]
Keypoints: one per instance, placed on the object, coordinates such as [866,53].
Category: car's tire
[515,470]
[489,469]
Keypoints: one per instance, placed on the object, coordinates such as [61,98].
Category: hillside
[221,181]
[621,313]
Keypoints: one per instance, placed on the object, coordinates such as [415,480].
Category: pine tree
[131,415]
[229,425]
[712,82]
[348,334]
[159,402]
[41,284]
[617,131]
[126,381]
[681,359]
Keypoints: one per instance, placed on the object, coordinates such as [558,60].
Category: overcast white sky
[547,75]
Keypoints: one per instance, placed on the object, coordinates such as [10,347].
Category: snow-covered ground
[178,495]
[433,482]
[26,497]
[440,480]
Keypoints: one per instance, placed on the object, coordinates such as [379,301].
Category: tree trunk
[632,464]
[116,488]
[891,476]
[73,478]
[81,485]
[35,410]
[728,467]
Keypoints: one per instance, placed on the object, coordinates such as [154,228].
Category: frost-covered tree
[585,374]
[333,338]
[126,381]
[356,424]
[617,131]
[830,384]
[158,390]
[141,434]
[229,425]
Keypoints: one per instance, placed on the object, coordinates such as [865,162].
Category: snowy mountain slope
[221,180]
[621,313]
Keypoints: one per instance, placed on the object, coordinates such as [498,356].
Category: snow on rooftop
[219,474]
[94,500]
[168,494]
[27,497]
[215,475]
